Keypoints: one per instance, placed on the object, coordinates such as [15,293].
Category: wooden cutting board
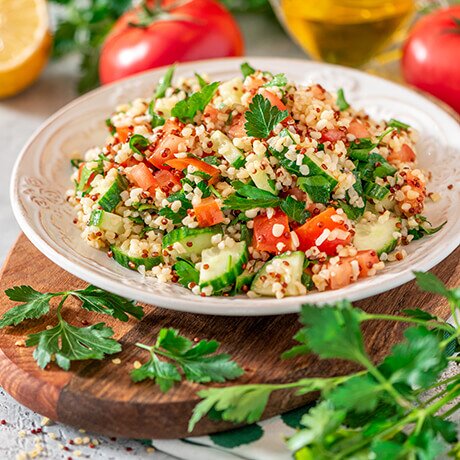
[99,396]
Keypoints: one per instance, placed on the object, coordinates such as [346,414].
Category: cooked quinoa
[254,185]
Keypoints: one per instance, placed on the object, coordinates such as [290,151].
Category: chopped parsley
[341,101]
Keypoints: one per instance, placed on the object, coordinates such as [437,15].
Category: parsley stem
[446,342]
[451,411]
[61,303]
[145,347]
[406,319]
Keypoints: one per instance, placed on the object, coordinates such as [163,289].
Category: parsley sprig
[198,362]
[262,117]
[382,411]
[66,342]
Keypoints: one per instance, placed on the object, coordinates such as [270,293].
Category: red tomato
[358,130]
[341,274]
[208,212]
[237,128]
[124,133]
[366,260]
[165,150]
[188,31]
[263,237]
[182,163]
[309,232]
[406,154]
[431,55]
[166,180]
[333,135]
[142,177]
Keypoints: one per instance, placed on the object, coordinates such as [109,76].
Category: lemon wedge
[25,43]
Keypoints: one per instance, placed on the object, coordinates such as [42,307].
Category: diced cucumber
[263,181]
[376,235]
[225,147]
[107,221]
[375,191]
[165,105]
[133,263]
[263,284]
[111,197]
[193,240]
[245,279]
[220,267]
[85,175]
[231,91]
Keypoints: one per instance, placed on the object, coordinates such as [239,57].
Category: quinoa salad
[255,186]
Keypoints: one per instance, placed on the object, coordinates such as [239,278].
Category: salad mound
[254,185]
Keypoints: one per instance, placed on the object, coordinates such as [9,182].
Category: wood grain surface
[99,396]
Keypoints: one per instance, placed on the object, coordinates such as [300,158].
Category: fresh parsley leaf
[35,305]
[100,301]
[250,197]
[318,188]
[156,120]
[201,81]
[186,272]
[431,283]
[424,229]
[393,123]
[211,160]
[138,142]
[76,162]
[333,331]
[352,212]
[360,394]
[262,117]
[341,101]
[244,403]
[359,149]
[109,124]
[416,362]
[69,343]
[186,109]
[246,69]
[246,235]
[278,80]
[198,361]
[294,209]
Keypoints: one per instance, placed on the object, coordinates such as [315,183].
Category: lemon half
[25,43]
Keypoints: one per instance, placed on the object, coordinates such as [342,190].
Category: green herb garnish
[187,109]
[246,69]
[341,101]
[197,361]
[278,80]
[294,209]
[262,117]
[393,123]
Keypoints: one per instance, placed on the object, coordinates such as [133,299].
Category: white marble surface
[19,118]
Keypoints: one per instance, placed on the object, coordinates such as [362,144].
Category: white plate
[41,177]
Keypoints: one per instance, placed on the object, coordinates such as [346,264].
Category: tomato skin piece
[309,232]
[141,175]
[165,150]
[209,31]
[263,238]
[430,55]
[208,212]
[358,130]
[181,163]
[405,154]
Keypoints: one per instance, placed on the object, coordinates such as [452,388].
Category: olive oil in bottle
[347,32]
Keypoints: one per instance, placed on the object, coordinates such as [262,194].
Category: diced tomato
[208,212]
[166,180]
[142,177]
[124,133]
[333,135]
[366,259]
[237,127]
[341,274]
[182,163]
[263,237]
[165,150]
[274,99]
[172,126]
[358,130]
[309,232]
[405,154]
